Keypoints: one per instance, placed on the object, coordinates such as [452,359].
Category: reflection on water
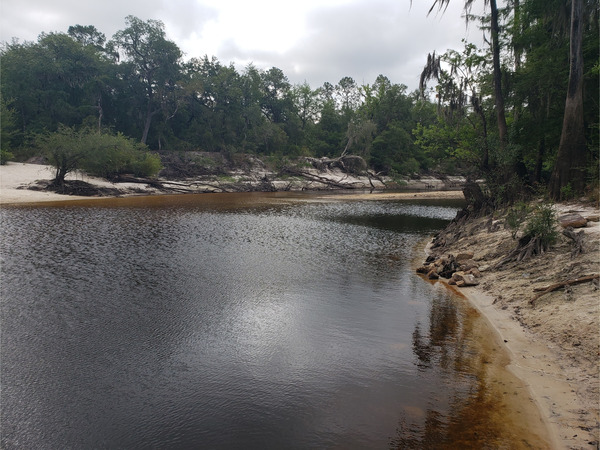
[476,413]
[234,321]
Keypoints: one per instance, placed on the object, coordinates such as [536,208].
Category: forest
[522,113]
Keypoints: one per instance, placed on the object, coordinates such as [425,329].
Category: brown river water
[254,321]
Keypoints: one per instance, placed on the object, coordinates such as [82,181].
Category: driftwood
[554,287]
[319,179]
[130,179]
[376,176]
[577,240]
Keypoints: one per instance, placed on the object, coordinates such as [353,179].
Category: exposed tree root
[526,248]
[577,240]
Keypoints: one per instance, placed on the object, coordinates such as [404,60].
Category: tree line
[498,112]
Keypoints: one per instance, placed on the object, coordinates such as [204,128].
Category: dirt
[555,341]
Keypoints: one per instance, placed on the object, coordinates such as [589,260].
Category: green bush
[108,156]
[567,192]
[5,156]
[542,226]
[145,165]
[100,154]
[516,217]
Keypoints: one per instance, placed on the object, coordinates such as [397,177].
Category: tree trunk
[539,160]
[571,158]
[149,115]
[498,97]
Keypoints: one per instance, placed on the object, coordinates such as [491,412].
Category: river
[235,321]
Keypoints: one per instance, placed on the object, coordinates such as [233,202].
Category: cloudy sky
[310,40]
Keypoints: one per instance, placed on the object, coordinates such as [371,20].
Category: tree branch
[557,286]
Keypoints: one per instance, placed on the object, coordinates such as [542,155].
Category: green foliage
[448,147]
[567,192]
[138,85]
[5,156]
[515,218]
[100,154]
[542,226]
[7,131]
[64,149]
[394,150]
[108,156]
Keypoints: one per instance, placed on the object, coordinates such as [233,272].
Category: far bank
[27,183]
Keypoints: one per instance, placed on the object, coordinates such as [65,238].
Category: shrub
[109,155]
[542,226]
[567,192]
[5,156]
[100,154]
[145,165]
[516,217]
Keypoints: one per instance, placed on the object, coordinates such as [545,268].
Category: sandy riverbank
[554,345]
[17,178]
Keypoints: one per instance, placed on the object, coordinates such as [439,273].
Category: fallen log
[556,286]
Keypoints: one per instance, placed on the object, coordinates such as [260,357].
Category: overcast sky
[310,40]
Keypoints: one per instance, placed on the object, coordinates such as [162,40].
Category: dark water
[226,322]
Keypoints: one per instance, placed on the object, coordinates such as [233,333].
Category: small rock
[467,265]
[447,266]
[464,256]
[464,279]
[594,218]
[572,220]
[475,272]
[433,275]
[470,280]
[424,269]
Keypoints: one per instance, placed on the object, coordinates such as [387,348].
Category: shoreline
[548,393]
[551,351]
[15,178]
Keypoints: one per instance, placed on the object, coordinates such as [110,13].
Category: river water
[233,321]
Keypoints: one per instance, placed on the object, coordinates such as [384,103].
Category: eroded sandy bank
[17,178]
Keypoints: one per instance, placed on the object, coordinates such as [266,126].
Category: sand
[554,346]
[15,178]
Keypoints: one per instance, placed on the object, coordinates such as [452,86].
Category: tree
[348,95]
[87,35]
[7,130]
[571,159]
[100,154]
[154,60]
[497,72]
[56,80]
[538,83]
[458,92]
[276,90]
[306,101]
[64,150]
